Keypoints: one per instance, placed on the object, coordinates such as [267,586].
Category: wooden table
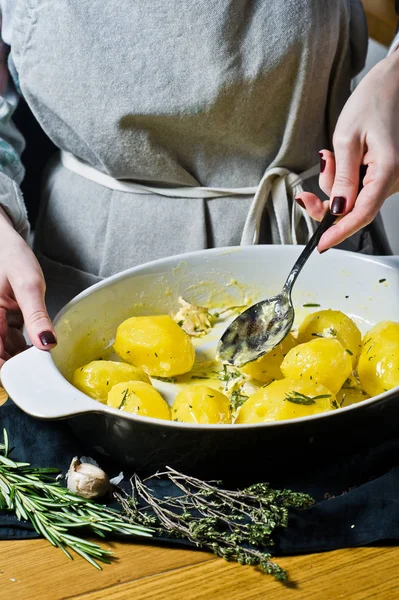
[31,569]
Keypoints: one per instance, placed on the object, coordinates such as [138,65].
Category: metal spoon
[265,324]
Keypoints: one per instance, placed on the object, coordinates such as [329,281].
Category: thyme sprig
[236,525]
[34,495]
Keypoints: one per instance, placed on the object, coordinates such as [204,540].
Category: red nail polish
[338,205]
[47,338]
[323,162]
[299,201]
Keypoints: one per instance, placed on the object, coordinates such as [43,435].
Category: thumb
[29,295]
[348,158]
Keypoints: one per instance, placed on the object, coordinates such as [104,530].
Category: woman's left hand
[367,133]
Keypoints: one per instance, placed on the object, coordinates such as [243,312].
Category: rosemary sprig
[123,402]
[298,398]
[33,495]
[235,525]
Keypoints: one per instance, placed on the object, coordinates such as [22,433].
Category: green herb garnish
[125,394]
[237,399]
[348,351]
[298,398]
[55,512]
[218,314]
[228,373]
[234,524]
[381,280]
[310,305]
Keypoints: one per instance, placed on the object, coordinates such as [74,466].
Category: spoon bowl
[264,325]
[257,330]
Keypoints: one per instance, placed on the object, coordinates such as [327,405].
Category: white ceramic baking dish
[366,288]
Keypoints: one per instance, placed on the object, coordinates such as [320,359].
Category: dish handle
[33,382]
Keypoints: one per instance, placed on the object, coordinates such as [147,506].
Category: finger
[15,319]
[312,204]
[3,323]
[365,210]
[15,341]
[4,355]
[29,293]
[327,171]
[348,158]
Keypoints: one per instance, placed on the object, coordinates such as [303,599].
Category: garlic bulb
[87,480]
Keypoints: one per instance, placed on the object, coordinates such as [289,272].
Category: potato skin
[140,398]
[322,360]
[270,403]
[267,368]
[201,404]
[97,377]
[332,323]
[378,366]
[157,344]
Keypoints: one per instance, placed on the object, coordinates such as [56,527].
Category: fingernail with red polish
[323,162]
[338,205]
[299,201]
[47,338]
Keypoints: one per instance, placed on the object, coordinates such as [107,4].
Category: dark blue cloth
[362,505]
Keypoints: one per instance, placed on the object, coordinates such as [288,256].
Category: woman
[168,117]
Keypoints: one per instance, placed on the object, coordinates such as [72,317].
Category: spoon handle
[325,224]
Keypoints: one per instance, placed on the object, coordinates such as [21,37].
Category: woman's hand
[367,133]
[22,290]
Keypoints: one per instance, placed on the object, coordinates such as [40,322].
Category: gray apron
[201,93]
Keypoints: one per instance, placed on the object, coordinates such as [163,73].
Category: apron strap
[278,185]
[83,169]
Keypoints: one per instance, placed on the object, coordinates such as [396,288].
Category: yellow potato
[267,368]
[286,399]
[332,324]
[139,398]
[97,377]
[201,404]
[378,366]
[351,392]
[322,360]
[157,344]
[347,396]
